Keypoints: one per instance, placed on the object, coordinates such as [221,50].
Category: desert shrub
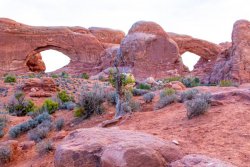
[139,92]
[91,101]
[68,105]
[198,105]
[144,86]
[3,121]
[19,106]
[41,131]
[226,83]
[6,154]
[10,78]
[59,124]
[125,79]
[50,105]
[167,92]
[64,74]
[54,76]
[129,105]
[44,147]
[191,82]
[85,76]
[188,95]
[111,97]
[79,112]
[19,129]
[64,96]
[166,100]
[170,79]
[148,97]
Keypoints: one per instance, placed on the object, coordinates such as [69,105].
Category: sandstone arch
[18,42]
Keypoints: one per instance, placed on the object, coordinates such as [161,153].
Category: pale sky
[211,20]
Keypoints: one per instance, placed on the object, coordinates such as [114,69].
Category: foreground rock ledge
[98,147]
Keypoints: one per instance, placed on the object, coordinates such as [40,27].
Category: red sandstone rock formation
[35,63]
[111,148]
[19,42]
[234,62]
[149,51]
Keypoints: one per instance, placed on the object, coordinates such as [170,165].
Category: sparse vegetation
[64,96]
[50,105]
[197,106]
[64,74]
[191,82]
[188,95]
[44,147]
[85,76]
[6,154]
[170,79]
[19,106]
[10,78]
[148,97]
[144,86]
[139,92]
[41,131]
[19,129]
[79,112]
[167,92]
[68,105]
[166,100]
[3,121]
[59,124]
[91,101]
[125,79]
[111,98]
[54,76]
[225,83]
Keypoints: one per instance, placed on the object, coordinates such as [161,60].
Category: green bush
[44,147]
[85,76]
[167,92]
[6,154]
[50,105]
[166,100]
[191,82]
[226,83]
[125,79]
[54,76]
[144,86]
[148,97]
[79,112]
[198,105]
[10,78]
[19,106]
[64,97]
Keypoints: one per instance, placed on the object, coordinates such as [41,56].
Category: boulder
[196,160]
[43,84]
[35,63]
[176,85]
[149,51]
[114,148]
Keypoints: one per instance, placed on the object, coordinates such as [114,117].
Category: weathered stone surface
[107,35]
[114,148]
[149,51]
[18,42]
[234,62]
[45,84]
[35,63]
[195,160]
[176,85]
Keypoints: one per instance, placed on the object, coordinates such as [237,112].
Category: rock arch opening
[46,60]
[190,59]
[54,60]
